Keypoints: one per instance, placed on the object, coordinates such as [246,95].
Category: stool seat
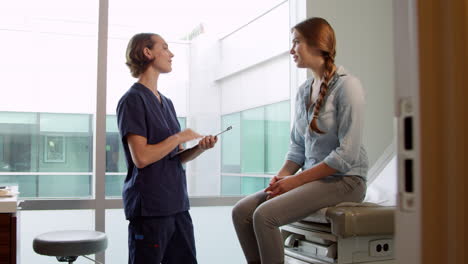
[70,243]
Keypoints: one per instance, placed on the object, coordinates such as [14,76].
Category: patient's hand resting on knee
[281,184]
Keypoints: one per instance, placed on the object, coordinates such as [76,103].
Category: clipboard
[181,151]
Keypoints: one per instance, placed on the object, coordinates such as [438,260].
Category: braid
[330,69]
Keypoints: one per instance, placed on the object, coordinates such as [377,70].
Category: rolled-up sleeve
[296,151]
[131,117]
[350,121]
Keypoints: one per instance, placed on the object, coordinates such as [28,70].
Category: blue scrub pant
[161,239]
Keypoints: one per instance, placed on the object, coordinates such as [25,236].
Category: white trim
[43,173]
[116,173]
[262,104]
[409,206]
[99,144]
[253,20]
[248,175]
[90,204]
[55,173]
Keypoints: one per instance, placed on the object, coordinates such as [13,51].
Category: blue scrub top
[159,189]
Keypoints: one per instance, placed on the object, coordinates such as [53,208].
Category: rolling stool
[68,245]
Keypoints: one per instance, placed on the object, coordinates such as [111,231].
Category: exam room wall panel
[364,32]
[263,38]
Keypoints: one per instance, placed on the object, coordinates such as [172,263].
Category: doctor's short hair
[135,58]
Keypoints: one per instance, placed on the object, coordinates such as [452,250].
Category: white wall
[383,190]
[255,63]
[203,114]
[263,84]
[364,32]
[258,41]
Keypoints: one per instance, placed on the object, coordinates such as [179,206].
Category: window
[46,107]
[256,150]
[47,118]
[47,155]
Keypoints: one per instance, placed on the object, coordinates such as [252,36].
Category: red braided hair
[319,34]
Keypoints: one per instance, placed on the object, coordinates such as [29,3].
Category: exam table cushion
[356,219]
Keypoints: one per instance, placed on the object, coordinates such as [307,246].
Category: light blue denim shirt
[342,120]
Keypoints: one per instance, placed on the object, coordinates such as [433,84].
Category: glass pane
[34,223]
[65,143]
[252,185]
[45,131]
[253,140]
[182,122]
[230,185]
[76,185]
[54,151]
[277,129]
[183,125]
[19,142]
[27,184]
[116,166]
[55,186]
[114,184]
[230,144]
[266,182]
[115,157]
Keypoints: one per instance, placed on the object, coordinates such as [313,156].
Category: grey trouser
[257,220]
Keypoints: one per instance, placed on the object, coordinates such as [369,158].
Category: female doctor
[155,189]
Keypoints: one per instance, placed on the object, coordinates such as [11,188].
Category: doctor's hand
[207,142]
[187,135]
[282,184]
